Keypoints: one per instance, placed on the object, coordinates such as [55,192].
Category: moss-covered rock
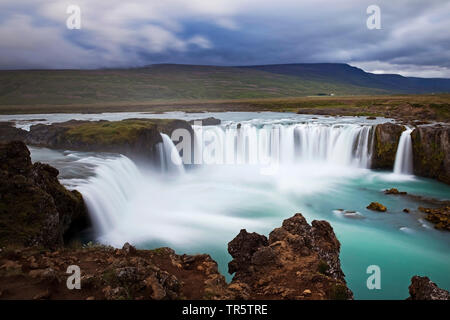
[431,152]
[35,209]
[135,138]
[386,139]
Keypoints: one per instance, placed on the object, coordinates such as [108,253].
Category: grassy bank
[436,107]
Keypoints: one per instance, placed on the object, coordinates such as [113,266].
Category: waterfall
[109,192]
[169,157]
[341,144]
[404,157]
[127,204]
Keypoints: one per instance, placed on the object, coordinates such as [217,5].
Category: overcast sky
[414,39]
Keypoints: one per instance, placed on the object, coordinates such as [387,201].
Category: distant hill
[171,82]
[348,75]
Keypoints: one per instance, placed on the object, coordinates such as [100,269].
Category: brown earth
[108,273]
[298,261]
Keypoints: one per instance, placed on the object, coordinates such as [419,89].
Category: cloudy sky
[414,39]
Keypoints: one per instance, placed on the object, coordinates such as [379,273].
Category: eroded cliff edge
[134,138]
[35,209]
[430,144]
[431,152]
[297,261]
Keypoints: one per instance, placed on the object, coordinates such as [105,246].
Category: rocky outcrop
[109,274]
[35,209]
[385,143]
[10,133]
[440,217]
[431,152]
[422,288]
[135,138]
[297,261]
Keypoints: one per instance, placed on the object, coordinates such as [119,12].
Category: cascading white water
[404,156]
[110,191]
[169,157]
[119,194]
[339,144]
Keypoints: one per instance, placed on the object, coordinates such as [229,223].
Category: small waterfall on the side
[404,157]
[169,157]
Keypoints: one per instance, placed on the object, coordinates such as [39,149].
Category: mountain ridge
[176,82]
[346,73]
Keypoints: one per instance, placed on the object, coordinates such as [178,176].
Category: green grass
[163,88]
[160,83]
[112,132]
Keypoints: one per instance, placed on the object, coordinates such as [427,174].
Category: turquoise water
[378,239]
[416,249]
[203,209]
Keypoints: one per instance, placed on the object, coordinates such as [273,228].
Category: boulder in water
[394,191]
[440,217]
[376,206]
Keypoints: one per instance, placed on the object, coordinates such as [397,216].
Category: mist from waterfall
[404,156]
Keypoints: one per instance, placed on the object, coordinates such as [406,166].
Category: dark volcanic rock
[242,249]
[109,274]
[35,208]
[394,191]
[387,136]
[431,152]
[211,121]
[422,288]
[298,261]
[10,133]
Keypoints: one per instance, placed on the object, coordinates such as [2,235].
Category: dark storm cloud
[413,39]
